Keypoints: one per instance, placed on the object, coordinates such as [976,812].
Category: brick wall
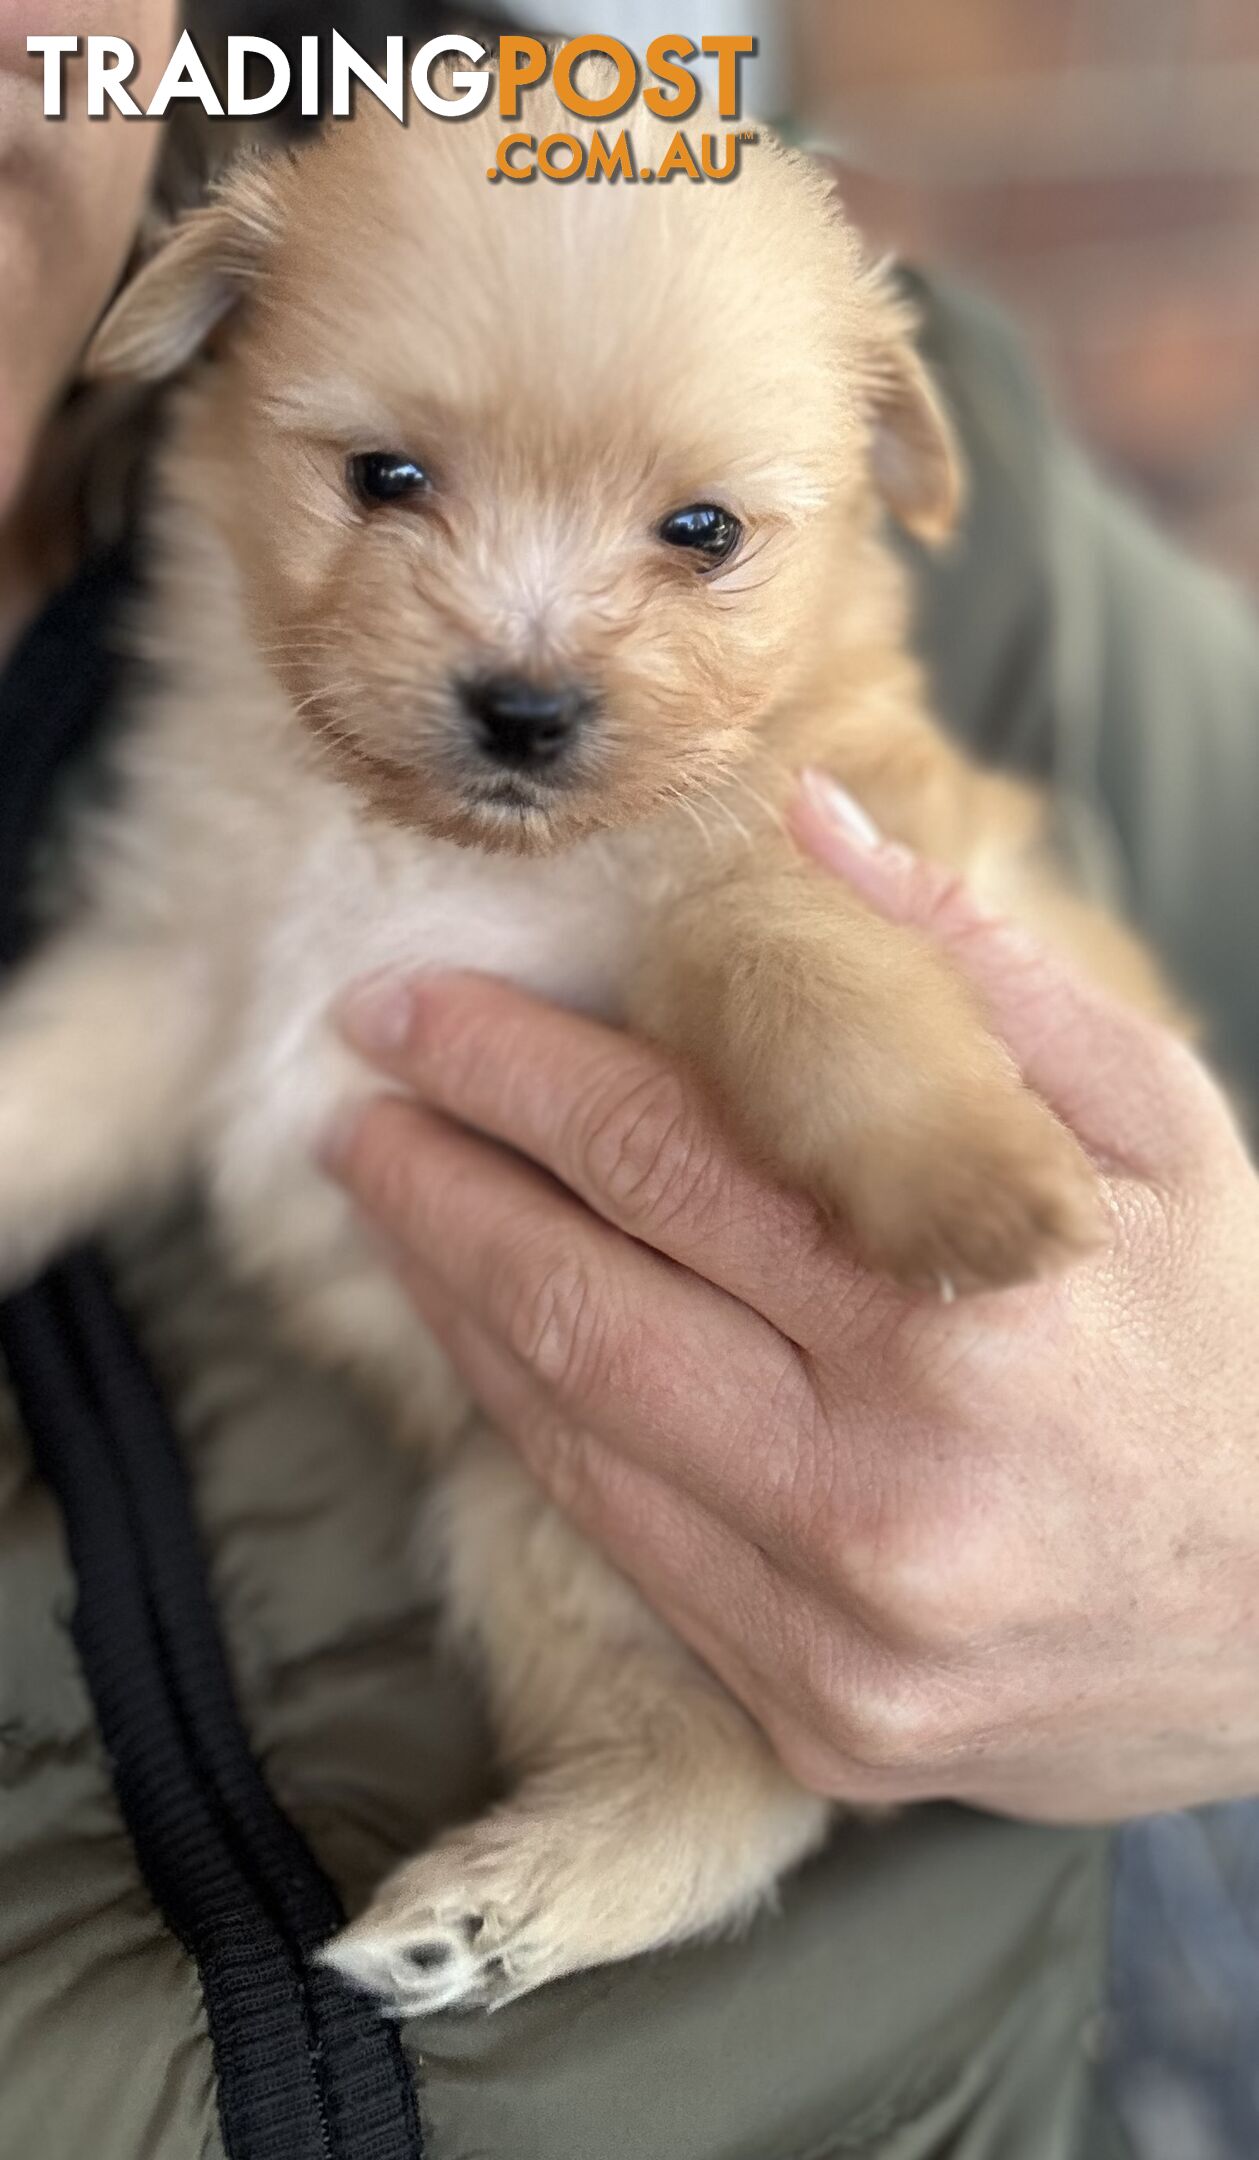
[1095,163]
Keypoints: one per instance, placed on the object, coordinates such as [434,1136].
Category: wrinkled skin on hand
[1004,1551]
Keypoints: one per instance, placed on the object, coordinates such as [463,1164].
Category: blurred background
[1094,164]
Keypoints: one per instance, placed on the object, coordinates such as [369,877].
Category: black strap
[306,2069]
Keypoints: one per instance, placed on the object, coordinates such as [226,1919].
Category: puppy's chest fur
[356,900]
[339,898]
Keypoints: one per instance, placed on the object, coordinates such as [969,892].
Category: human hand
[1005,1551]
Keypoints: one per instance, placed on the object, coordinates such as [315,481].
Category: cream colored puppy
[512,548]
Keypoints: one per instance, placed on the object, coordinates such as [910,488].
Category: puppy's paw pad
[418,1962]
[453,1930]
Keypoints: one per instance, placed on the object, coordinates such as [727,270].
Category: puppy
[513,547]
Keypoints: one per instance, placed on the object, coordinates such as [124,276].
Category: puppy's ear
[200,273]
[914,454]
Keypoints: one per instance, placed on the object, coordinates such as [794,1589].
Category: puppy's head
[539,493]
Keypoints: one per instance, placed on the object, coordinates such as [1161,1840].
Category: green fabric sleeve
[1067,637]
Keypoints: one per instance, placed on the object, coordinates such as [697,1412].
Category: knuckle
[856,1722]
[563,1455]
[894,1723]
[949,910]
[926,1588]
[644,1150]
[553,1320]
[864,1718]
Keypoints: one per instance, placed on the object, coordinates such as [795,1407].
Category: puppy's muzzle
[522,726]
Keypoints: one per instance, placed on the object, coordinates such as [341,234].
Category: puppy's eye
[385,476]
[706,531]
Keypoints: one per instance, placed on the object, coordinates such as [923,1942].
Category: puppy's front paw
[461,1928]
[1002,1194]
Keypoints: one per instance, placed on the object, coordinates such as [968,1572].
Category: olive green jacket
[928,1989]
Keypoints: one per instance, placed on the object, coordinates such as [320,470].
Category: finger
[1127,1087]
[619,1125]
[674,1370]
[716,1589]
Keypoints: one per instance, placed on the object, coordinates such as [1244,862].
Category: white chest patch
[570,928]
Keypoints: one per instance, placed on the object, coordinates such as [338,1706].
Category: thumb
[1106,1070]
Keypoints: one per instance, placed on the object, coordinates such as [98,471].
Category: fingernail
[839,808]
[376,1017]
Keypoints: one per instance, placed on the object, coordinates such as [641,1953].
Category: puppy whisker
[771,810]
[725,809]
[316,696]
[683,801]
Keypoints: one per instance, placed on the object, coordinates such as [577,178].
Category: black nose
[525,726]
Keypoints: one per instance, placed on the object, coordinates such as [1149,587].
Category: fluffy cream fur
[299,807]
